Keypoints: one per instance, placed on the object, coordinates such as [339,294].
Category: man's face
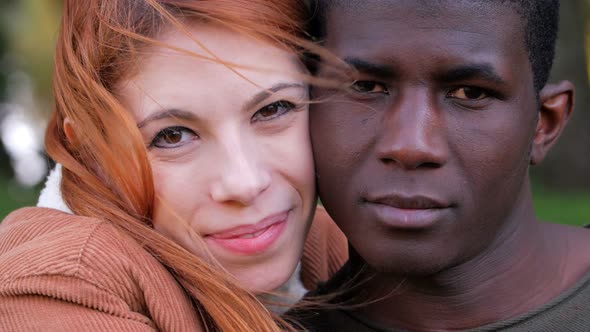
[423,161]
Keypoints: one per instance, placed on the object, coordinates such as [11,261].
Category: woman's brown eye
[270,110]
[273,110]
[468,93]
[369,87]
[173,137]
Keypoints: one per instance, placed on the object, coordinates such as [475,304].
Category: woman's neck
[283,298]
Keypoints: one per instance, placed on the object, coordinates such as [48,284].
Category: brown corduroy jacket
[61,272]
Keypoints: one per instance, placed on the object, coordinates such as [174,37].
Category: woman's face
[231,155]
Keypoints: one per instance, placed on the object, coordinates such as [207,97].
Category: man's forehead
[388,19]
[424,7]
[401,34]
[412,14]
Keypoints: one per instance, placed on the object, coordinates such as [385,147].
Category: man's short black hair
[541,19]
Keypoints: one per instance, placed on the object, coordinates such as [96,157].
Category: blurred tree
[568,164]
[28,31]
[5,168]
[33,29]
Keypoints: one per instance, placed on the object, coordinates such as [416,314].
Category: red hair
[106,171]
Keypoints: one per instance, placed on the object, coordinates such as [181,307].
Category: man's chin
[409,266]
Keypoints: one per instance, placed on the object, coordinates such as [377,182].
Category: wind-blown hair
[106,171]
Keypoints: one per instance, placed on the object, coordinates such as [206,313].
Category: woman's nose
[242,176]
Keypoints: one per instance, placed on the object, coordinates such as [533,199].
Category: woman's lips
[251,239]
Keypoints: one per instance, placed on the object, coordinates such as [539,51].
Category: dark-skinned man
[424,162]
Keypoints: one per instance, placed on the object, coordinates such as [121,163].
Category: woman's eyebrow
[190,116]
[171,113]
[264,94]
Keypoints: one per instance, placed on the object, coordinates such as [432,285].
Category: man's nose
[242,176]
[412,134]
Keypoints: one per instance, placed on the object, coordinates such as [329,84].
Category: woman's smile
[251,239]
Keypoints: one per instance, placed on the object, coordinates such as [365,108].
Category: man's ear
[69,130]
[557,104]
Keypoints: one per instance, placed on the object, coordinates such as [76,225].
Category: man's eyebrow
[171,113]
[264,94]
[483,71]
[373,69]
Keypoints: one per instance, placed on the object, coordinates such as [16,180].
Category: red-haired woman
[182,128]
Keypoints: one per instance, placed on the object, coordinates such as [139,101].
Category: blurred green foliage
[13,196]
[31,27]
[571,208]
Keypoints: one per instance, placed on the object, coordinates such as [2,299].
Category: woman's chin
[269,284]
[266,278]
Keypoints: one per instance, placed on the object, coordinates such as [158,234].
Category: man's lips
[407,212]
[415,202]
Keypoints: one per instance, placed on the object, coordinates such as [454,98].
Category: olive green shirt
[570,311]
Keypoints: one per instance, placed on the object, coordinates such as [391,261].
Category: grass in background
[572,208]
[13,196]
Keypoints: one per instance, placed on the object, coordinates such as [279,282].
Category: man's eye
[468,93]
[273,110]
[173,137]
[369,87]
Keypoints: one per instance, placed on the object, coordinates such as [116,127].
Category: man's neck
[520,272]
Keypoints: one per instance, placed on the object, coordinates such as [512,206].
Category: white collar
[51,195]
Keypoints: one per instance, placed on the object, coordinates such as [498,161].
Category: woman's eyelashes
[173,137]
[177,136]
[273,111]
